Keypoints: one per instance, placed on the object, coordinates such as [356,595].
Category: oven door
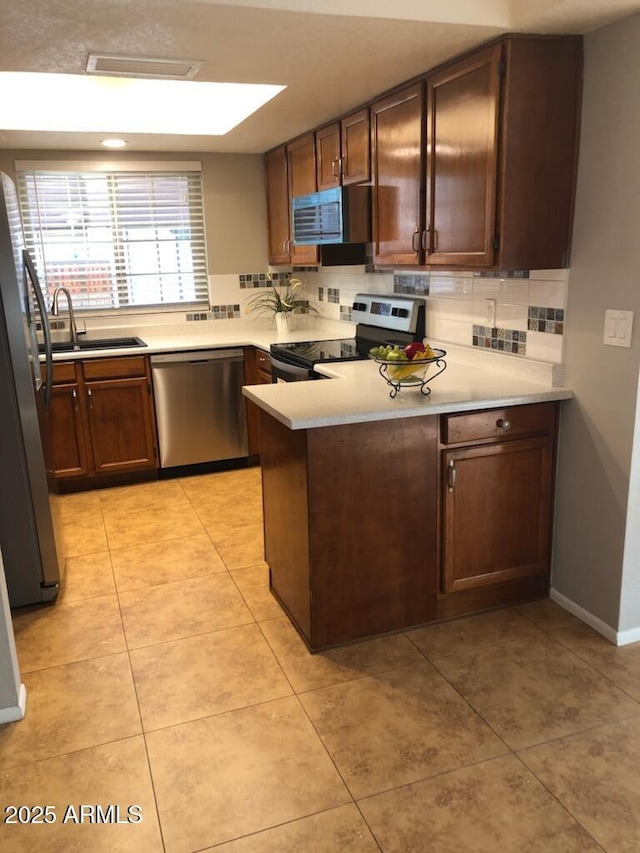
[282,371]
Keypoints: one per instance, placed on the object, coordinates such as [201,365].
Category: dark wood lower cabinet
[100,427]
[64,446]
[350,525]
[120,425]
[361,540]
[257,371]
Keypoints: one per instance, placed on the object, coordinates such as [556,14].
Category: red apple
[414,350]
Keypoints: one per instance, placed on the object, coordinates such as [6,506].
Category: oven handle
[293,370]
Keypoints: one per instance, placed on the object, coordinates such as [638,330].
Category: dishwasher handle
[198,356]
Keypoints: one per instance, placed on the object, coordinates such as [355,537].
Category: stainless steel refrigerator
[27,536]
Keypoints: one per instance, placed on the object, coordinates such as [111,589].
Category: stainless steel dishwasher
[200,409]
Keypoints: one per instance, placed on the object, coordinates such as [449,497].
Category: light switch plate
[490,312]
[618,326]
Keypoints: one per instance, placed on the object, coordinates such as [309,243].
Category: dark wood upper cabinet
[301,166]
[278,206]
[502,132]
[343,152]
[328,157]
[396,153]
[538,151]
[356,147]
[476,172]
[461,161]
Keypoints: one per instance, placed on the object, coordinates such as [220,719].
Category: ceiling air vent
[140,66]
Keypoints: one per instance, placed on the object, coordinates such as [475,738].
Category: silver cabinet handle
[90,396]
[415,241]
[74,397]
[425,239]
[504,424]
[451,473]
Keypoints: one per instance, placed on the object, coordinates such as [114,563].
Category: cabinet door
[278,206]
[63,434]
[396,150]
[328,157]
[462,146]
[301,162]
[497,512]
[120,425]
[356,146]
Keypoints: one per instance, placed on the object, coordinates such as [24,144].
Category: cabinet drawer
[63,372]
[114,368]
[263,360]
[510,422]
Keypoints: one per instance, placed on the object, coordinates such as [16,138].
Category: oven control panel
[389,311]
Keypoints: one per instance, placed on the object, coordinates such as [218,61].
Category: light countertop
[202,335]
[357,393]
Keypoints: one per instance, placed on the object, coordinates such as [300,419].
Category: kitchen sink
[94,344]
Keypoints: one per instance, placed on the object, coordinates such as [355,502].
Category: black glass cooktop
[308,353]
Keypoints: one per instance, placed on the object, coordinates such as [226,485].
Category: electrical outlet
[490,312]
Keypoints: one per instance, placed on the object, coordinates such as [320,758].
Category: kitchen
[593,567]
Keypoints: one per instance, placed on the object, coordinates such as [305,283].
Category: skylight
[82,104]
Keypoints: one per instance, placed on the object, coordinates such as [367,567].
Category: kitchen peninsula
[381,513]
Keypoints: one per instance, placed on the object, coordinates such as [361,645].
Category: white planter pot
[284,322]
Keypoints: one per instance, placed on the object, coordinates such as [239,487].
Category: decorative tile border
[502,274]
[202,315]
[321,294]
[225,312]
[414,283]
[259,279]
[549,320]
[504,340]
[303,269]
[333,295]
[345,313]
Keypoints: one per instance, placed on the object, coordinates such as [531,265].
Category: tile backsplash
[528,319]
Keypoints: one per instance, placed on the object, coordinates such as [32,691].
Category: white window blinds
[117,239]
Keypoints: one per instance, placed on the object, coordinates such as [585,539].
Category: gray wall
[598,426]
[234,198]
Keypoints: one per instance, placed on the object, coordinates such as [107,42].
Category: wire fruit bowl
[415,373]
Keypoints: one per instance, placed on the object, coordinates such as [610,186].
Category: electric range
[381,318]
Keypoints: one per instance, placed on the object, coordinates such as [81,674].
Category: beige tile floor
[166,677]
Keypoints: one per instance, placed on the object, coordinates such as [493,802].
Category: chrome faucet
[55,311]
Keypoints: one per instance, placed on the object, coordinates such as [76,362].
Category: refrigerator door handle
[31,276]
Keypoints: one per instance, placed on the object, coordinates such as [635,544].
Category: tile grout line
[565,808]
[135,690]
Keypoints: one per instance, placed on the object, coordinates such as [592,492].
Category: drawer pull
[501,423]
[451,471]
[90,395]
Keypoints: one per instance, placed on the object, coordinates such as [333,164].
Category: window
[120,237]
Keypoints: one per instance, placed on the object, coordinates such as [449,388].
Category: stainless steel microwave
[338,215]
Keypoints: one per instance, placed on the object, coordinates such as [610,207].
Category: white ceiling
[332,54]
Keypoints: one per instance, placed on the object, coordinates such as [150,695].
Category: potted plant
[282,301]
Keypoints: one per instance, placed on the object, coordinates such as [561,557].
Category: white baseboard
[585,616]
[630,636]
[16,712]
[618,638]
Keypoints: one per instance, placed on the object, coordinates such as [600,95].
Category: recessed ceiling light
[82,104]
[113,143]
